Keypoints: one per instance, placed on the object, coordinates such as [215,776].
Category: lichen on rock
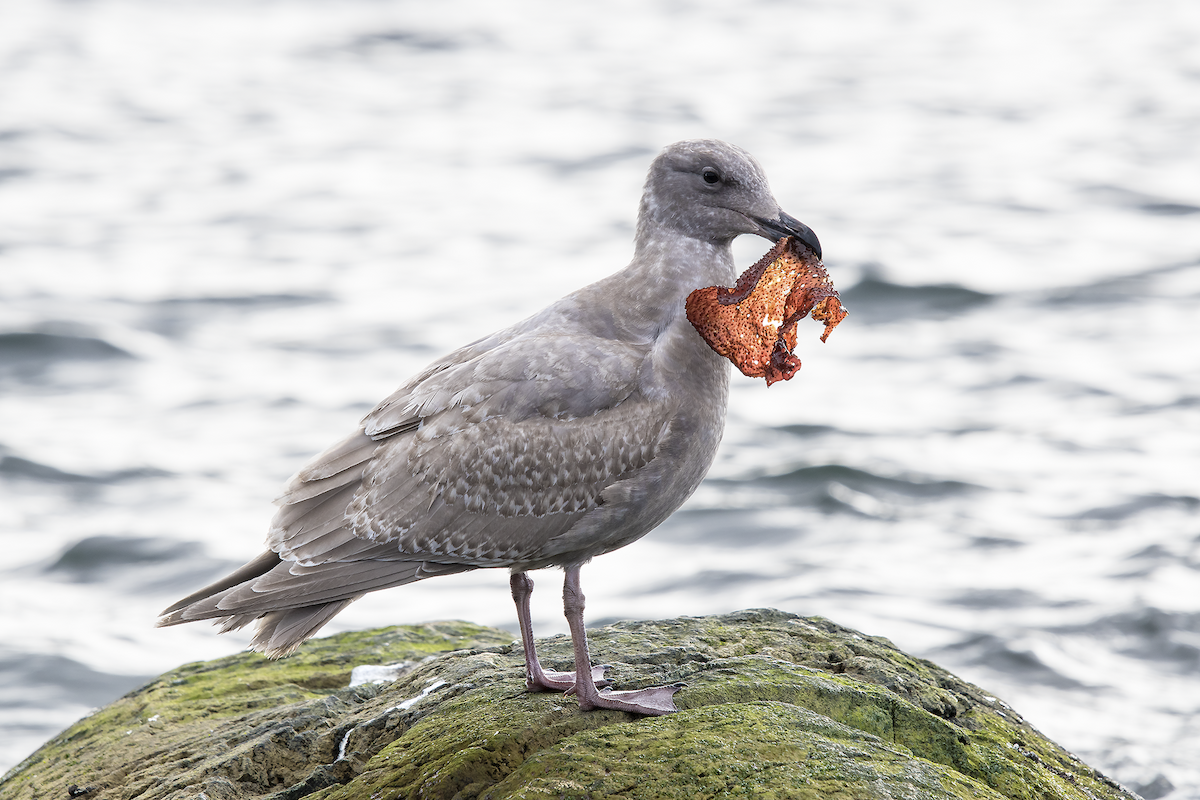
[776,705]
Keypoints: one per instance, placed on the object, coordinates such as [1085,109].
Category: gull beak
[787,225]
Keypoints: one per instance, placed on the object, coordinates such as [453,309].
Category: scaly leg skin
[536,678]
[653,701]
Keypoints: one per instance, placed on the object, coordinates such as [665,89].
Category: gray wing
[481,461]
[519,450]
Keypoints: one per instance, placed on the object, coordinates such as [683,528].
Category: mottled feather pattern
[543,473]
[522,434]
[500,466]
[498,433]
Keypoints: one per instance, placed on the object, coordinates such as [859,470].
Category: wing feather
[349,452]
[299,587]
[315,487]
[281,632]
[322,513]
[483,460]
[436,493]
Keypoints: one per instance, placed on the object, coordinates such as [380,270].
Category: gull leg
[536,678]
[653,701]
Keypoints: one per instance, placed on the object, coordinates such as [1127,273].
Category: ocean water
[227,229]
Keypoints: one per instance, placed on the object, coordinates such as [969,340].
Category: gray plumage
[565,436]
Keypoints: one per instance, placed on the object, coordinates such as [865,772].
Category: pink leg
[653,701]
[536,678]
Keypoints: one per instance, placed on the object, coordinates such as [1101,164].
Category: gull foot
[554,681]
[654,701]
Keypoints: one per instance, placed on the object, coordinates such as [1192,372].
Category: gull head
[714,191]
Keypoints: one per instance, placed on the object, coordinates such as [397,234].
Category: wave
[724,527]
[1156,205]
[995,653]
[21,348]
[835,488]
[1170,639]
[874,301]
[591,162]
[1122,290]
[706,581]
[13,173]
[997,598]
[1138,505]
[15,467]
[38,680]
[807,479]
[138,564]
[235,300]
[369,43]
[174,317]
[804,431]
[100,552]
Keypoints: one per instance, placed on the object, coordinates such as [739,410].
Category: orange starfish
[753,324]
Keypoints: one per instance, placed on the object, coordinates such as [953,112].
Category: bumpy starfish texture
[753,324]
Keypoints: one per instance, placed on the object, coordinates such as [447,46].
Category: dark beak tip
[787,225]
[803,233]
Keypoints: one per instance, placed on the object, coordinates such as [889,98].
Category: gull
[568,435]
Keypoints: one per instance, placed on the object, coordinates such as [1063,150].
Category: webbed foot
[654,701]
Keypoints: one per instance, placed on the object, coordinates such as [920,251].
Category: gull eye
[710,176]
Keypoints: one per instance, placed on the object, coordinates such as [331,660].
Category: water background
[227,229]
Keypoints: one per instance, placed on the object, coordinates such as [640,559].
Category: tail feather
[291,602]
[281,632]
[255,569]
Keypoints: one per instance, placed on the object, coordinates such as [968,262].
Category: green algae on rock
[776,706]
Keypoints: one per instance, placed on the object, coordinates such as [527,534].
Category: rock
[776,706]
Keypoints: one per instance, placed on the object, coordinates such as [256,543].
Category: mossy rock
[776,706]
